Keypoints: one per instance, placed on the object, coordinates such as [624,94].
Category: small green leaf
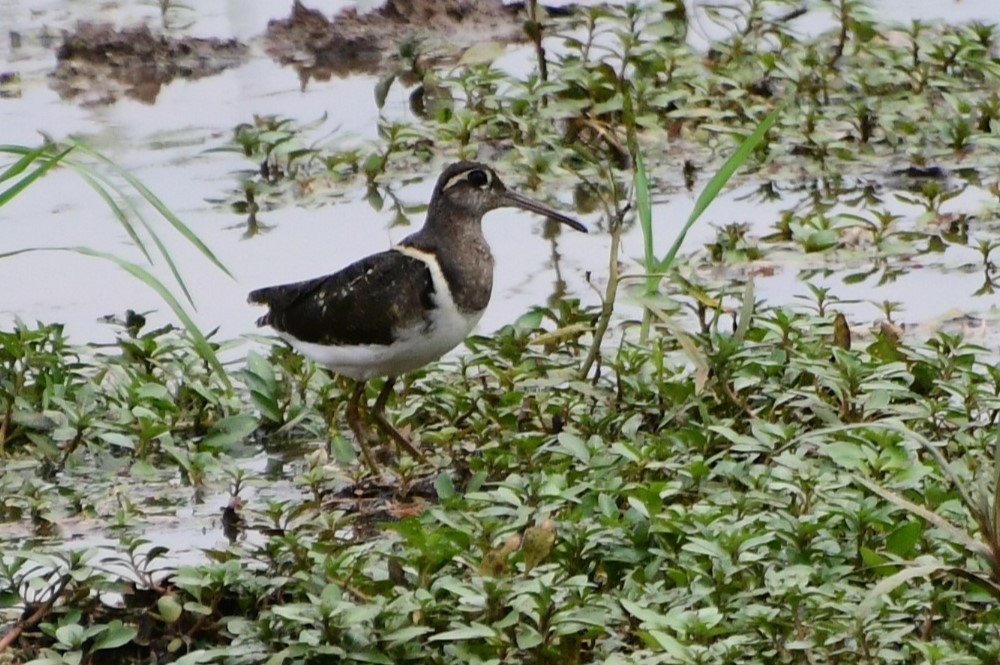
[847,454]
[198,608]
[382,89]
[482,53]
[445,487]
[529,321]
[528,637]
[818,241]
[374,165]
[144,470]
[406,634]
[153,391]
[71,635]
[871,558]
[196,657]
[260,368]
[901,541]
[670,645]
[115,636]
[575,446]
[229,431]
[169,609]
[342,450]
[267,406]
[644,614]
[476,631]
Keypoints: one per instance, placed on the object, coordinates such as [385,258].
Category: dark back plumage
[368,302]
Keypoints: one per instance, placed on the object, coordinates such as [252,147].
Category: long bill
[524,203]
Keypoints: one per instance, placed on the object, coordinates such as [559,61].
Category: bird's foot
[402,442]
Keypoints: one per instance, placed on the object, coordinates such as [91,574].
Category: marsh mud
[97,63]
[361,42]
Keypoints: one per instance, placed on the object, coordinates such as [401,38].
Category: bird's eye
[478,178]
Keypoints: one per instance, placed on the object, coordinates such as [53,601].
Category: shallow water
[167,144]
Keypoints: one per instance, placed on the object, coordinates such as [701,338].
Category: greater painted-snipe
[396,311]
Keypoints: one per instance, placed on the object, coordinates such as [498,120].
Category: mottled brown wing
[367,302]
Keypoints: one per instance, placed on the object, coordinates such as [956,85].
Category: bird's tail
[263,296]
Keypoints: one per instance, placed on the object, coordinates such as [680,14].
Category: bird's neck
[460,249]
[451,229]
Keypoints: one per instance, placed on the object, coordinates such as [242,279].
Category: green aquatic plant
[758,483]
[658,268]
[628,515]
[113,184]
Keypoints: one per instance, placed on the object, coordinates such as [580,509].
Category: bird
[400,309]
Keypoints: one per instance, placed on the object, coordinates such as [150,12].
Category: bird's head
[472,189]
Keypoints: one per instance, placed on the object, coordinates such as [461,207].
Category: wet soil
[98,63]
[354,42]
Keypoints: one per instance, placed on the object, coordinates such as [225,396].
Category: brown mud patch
[354,42]
[98,63]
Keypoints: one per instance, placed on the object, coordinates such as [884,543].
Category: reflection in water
[551,232]
[361,42]
[97,62]
[907,239]
[892,235]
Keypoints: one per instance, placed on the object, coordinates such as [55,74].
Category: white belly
[413,349]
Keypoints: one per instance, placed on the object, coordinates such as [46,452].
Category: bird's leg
[388,427]
[360,432]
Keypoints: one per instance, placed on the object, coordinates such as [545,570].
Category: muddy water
[167,144]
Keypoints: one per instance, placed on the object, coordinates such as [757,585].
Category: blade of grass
[117,211]
[200,342]
[644,207]
[8,194]
[160,207]
[889,584]
[104,186]
[101,185]
[746,311]
[900,428]
[656,270]
[702,371]
[714,187]
[995,508]
[23,151]
[956,533]
[18,167]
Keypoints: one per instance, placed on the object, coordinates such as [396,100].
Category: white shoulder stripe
[426,257]
[442,290]
[443,298]
[438,332]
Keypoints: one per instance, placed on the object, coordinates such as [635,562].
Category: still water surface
[168,145]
